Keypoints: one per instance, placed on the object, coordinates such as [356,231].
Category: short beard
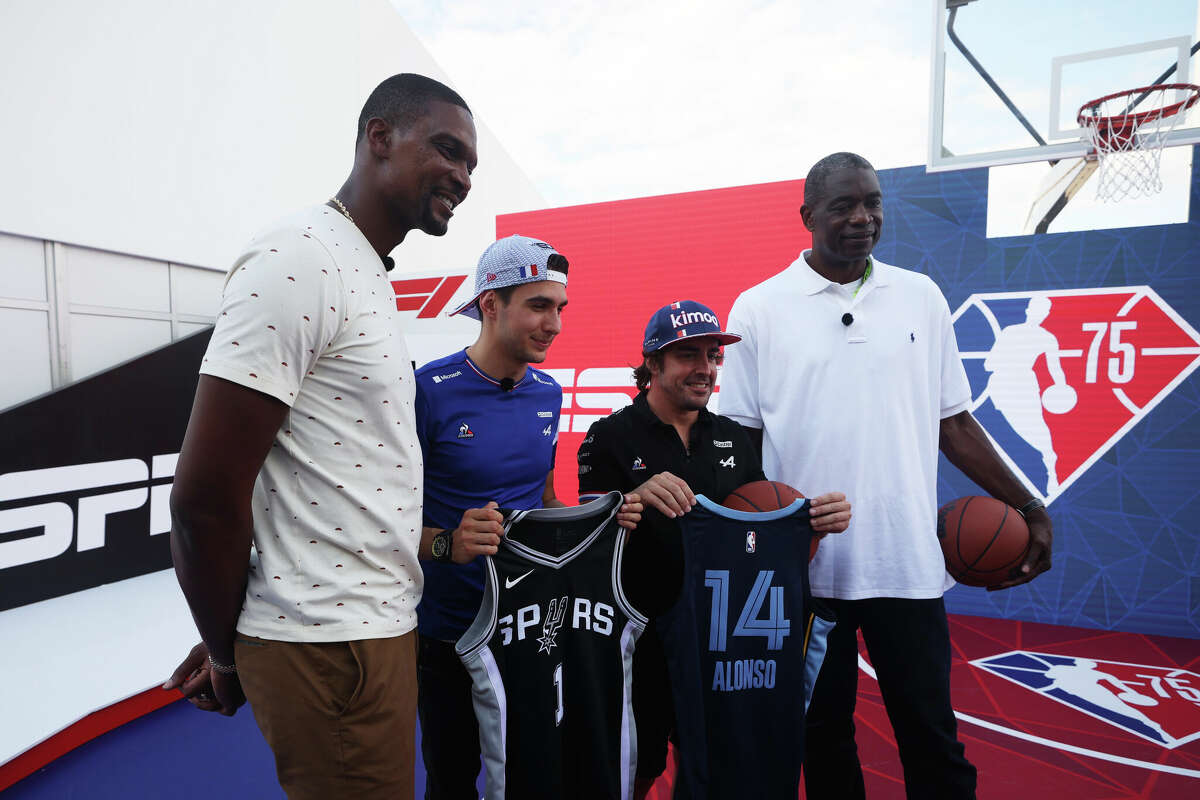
[693,405]
[433,226]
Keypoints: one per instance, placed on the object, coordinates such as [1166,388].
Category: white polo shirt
[308,317]
[853,408]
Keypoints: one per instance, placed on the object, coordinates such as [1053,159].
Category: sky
[620,99]
[623,99]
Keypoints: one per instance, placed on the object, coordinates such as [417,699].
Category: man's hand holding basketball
[477,535]
[1037,560]
[830,513]
[668,493]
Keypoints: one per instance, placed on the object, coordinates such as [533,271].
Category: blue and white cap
[510,262]
[683,319]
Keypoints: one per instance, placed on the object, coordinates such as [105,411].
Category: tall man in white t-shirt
[303,441]
[849,370]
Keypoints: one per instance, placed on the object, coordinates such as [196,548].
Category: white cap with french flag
[512,261]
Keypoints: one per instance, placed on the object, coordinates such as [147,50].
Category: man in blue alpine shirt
[488,426]
[849,374]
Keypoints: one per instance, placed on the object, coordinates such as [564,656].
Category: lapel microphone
[847,318]
[506,384]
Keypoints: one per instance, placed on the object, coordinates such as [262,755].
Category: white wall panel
[188,328]
[115,280]
[98,343]
[197,291]
[206,121]
[22,268]
[26,355]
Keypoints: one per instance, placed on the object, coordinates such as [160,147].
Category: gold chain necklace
[343,209]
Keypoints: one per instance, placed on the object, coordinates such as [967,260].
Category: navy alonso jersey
[743,649]
[550,657]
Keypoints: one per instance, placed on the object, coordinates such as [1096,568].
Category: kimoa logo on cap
[689,317]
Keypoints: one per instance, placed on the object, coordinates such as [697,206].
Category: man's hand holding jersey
[668,493]
[630,512]
[478,534]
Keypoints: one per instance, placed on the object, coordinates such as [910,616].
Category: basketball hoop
[1128,145]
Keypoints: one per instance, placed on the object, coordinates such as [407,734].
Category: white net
[1127,132]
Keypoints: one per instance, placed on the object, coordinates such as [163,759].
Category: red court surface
[1043,743]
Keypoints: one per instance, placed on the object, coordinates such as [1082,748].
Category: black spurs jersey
[743,650]
[550,655]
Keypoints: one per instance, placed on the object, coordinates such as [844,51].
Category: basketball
[1059,398]
[982,539]
[767,496]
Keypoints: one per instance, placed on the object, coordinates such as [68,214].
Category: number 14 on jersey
[774,628]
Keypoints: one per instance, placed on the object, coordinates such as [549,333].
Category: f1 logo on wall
[427,296]
[1156,703]
[1057,378]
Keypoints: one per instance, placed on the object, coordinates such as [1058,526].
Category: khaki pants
[340,716]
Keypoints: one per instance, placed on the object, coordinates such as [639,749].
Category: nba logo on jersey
[751,541]
[1057,378]
[1159,704]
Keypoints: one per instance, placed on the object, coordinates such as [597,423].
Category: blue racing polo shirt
[480,443]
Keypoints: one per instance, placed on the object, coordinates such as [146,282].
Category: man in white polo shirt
[302,441]
[849,372]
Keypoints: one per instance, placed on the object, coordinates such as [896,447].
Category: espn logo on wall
[71,504]
[86,475]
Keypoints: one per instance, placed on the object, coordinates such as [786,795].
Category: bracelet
[1031,506]
[224,669]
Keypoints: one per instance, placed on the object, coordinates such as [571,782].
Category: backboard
[1008,76]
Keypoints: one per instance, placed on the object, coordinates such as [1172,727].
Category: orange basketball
[982,539]
[767,496]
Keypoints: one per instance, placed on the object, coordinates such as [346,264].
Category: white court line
[1069,748]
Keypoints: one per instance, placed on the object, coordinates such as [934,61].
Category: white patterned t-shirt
[309,317]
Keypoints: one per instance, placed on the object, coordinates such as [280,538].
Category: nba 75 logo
[1161,704]
[1057,378]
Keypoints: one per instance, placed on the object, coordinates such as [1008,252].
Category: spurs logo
[554,620]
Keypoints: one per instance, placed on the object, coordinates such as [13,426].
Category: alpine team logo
[1160,704]
[1057,378]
